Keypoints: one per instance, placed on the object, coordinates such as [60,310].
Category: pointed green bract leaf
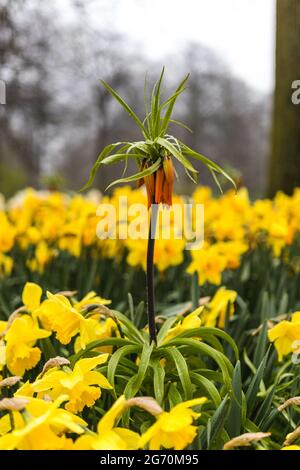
[175,152]
[127,108]
[118,157]
[215,178]
[190,176]
[147,172]
[105,152]
[181,124]
[207,162]
[155,111]
[171,102]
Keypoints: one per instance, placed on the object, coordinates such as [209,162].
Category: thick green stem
[150,273]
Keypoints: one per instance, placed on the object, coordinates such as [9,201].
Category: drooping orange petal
[150,187]
[159,184]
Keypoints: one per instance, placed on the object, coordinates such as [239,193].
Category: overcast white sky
[240,31]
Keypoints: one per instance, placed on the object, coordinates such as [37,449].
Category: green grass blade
[235,418]
[216,424]
[254,385]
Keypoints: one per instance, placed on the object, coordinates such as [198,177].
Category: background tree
[285,155]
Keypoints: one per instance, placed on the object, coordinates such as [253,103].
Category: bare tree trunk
[285,154]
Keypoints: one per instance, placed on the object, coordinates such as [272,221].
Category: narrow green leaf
[254,385]
[174,395]
[114,361]
[261,345]
[165,329]
[135,384]
[118,342]
[119,157]
[175,152]
[265,408]
[104,153]
[234,423]
[127,108]
[155,110]
[222,361]
[208,387]
[170,103]
[181,124]
[129,329]
[141,174]
[158,380]
[183,372]
[216,425]
[207,162]
[205,331]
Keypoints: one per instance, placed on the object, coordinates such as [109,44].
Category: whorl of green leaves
[156,141]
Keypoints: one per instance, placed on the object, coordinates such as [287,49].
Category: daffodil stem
[150,274]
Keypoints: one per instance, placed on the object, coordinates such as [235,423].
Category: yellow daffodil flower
[215,311]
[108,437]
[285,336]
[191,321]
[31,296]
[209,264]
[7,233]
[173,429]
[20,340]
[82,385]
[43,427]
[91,299]
[3,327]
[57,314]
[92,329]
